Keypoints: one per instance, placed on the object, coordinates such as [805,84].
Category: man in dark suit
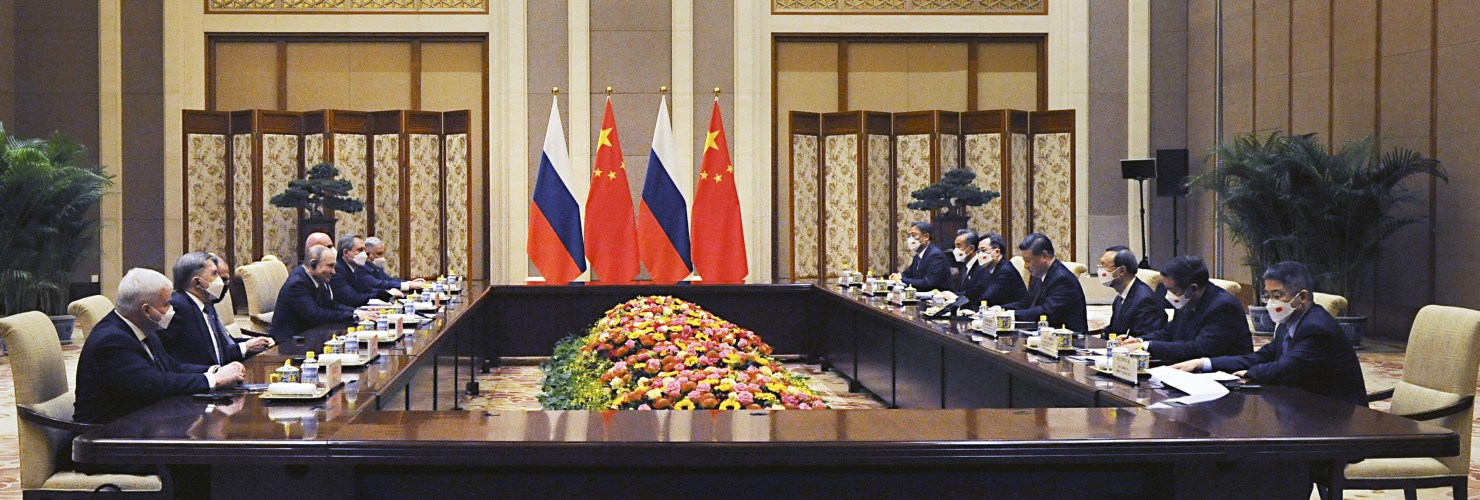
[971,275]
[307,301]
[929,268]
[1053,289]
[350,285]
[1004,284]
[196,334]
[1209,321]
[1136,309]
[375,273]
[124,367]
[1309,350]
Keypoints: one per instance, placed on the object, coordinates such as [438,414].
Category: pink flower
[745,398]
[644,407]
[672,385]
[703,387]
[694,395]
[631,344]
[654,366]
[619,365]
[788,400]
[804,406]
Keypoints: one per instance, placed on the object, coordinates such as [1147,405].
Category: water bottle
[351,345]
[381,323]
[310,369]
[410,307]
[1111,342]
[1043,326]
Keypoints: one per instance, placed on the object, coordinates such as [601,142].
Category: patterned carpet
[516,387]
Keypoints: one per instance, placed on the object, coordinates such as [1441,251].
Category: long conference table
[967,418]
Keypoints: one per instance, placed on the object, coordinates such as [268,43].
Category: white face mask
[914,244]
[960,255]
[1175,301]
[164,321]
[215,288]
[983,257]
[1279,310]
[380,262]
[1107,277]
[360,259]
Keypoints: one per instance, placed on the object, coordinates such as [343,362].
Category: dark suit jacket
[1004,285]
[349,288]
[972,284]
[1214,326]
[1319,359]
[116,376]
[189,338]
[1142,312]
[302,304]
[1058,295]
[377,278]
[933,272]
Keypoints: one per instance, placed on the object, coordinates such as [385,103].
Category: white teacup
[1033,342]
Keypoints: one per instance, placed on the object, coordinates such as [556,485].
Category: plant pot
[944,229]
[1354,326]
[64,325]
[1263,324]
[315,224]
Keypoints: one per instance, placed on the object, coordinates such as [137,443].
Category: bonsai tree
[1284,197]
[47,192]
[321,192]
[953,194]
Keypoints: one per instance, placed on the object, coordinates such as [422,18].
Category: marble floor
[516,386]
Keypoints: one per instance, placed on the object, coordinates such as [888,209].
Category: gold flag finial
[608,91]
[716,91]
[554,90]
[663,90]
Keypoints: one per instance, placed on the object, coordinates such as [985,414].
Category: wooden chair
[1438,387]
[89,311]
[262,280]
[43,402]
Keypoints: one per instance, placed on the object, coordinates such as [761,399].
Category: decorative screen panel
[950,152]
[1052,190]
[350,157]
[388,198]
[880,214]
[841,188]
[313,151]
[912,154]
[425,204]
[279,225]
[984,157]
[457,204]
[1019,186]
[242,191]
[805,209]
[206,192]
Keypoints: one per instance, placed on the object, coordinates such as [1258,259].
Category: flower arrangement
[660,353]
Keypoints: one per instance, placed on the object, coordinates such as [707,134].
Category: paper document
[1198,386]
[376,302]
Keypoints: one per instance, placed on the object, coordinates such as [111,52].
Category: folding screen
[384,203]
[806,250]
[996,149]
[856,184]
[277,155]
[1052,137]
[926,143]
[340,137]
[206,198]
[458,191]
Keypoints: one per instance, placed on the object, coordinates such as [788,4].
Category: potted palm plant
[318,195]
[47,189]
[946,201]
[1285,197]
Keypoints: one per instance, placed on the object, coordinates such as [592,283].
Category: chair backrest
[262,280]
[1152,277]
[41,383]
[226,310]
[1334,304]
[1022,268]
[1439,369]
[1076,268]
[89,311]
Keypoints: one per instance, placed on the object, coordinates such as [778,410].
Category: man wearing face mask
[1309,350]
[1004,285]
[929,268]
[124,367]
[306,299]
[196,335]
[1053,289]
[1209,321]
[350,288]
[1137,309]
[971,276]
[375,275]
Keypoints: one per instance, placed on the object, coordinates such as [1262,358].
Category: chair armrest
[1379,395]
[1458,406]
[31,415]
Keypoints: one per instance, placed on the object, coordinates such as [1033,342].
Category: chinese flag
[718,235]
[611,230]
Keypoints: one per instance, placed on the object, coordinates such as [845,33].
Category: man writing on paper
[1309,350]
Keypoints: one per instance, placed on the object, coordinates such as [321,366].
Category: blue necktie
[219,331]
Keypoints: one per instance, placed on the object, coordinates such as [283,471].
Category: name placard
[1124,367]
[1048,343]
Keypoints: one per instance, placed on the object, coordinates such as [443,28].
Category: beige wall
[1398,69]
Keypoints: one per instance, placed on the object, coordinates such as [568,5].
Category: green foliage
[322,190]
[47,189]
[1284,197]
[573,378]
[954,193]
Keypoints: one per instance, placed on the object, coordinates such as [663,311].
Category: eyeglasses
[1279,295]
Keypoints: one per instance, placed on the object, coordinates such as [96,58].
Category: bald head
[318,239]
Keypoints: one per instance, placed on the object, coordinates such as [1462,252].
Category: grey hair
[187,266]
[346,241]
[315,254]
[138,287]
[373,242]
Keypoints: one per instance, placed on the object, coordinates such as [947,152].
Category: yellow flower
[634,335]
[693,322]
[765,369]
[711,381]
[775,387]
[763,362]
[684,405]
[729,404]
[660,337]
[691,361]
[703,337]
[724,387]
[654,394]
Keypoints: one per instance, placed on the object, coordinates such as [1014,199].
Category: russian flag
[555,244]
[662,218]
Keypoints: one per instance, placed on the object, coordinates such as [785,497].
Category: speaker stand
[1145,250]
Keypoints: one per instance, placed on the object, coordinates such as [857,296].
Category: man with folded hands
[375,273]
[350,285]
[1137,309]
[196,335]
